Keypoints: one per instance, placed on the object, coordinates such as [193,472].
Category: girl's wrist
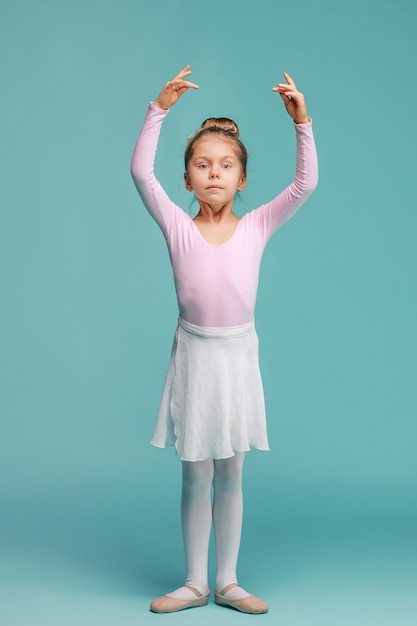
[156,103]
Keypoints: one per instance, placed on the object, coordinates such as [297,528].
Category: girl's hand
[293,100]
[174,89]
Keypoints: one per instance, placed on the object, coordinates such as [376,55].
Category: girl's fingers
[175,88]
[287,87]
[292,99]
[179,84]
[290,84]
[289,93]
[289,79]
[184,72]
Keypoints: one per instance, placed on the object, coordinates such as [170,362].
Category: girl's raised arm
[142,167]
[272,215]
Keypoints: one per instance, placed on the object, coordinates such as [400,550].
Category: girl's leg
[196,514]
[227,517]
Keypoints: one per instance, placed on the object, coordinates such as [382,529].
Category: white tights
[198,512]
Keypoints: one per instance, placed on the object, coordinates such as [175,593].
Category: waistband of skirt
[215,332]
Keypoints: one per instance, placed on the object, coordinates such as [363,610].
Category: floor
[334,576]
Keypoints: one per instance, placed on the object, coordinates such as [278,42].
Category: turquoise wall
[88,307]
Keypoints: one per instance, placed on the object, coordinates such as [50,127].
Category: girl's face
[214,171]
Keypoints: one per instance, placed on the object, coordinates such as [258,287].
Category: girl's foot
[237,598]
[183,598]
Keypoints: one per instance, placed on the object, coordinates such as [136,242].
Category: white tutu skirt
[212,403]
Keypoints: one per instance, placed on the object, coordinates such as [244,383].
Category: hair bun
[222,126]
[225,124]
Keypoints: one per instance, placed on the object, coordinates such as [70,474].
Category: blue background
[90,528]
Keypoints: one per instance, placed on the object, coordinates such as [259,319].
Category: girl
[212,406]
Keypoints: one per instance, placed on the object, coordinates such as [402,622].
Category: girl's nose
[214,174]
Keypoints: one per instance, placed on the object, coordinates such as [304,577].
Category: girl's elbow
[137,172]
[134,165]
[306,188]
[314,183]
[134,173]
[311,183]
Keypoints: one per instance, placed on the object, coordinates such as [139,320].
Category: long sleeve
[272,215]
[150,190]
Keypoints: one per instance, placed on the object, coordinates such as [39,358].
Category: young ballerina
[212,407]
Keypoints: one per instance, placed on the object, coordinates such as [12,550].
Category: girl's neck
[216,214]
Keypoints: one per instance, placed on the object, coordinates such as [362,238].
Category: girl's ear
[242,183]
[187,180]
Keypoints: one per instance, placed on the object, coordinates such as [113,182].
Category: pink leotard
[216,285]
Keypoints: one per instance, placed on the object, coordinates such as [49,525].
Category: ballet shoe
[166,604]
[250,604]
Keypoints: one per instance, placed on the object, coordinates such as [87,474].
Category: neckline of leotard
[216,245]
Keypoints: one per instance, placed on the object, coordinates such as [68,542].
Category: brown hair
[222,126]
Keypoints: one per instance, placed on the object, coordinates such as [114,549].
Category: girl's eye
[203,166]
[227,166]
